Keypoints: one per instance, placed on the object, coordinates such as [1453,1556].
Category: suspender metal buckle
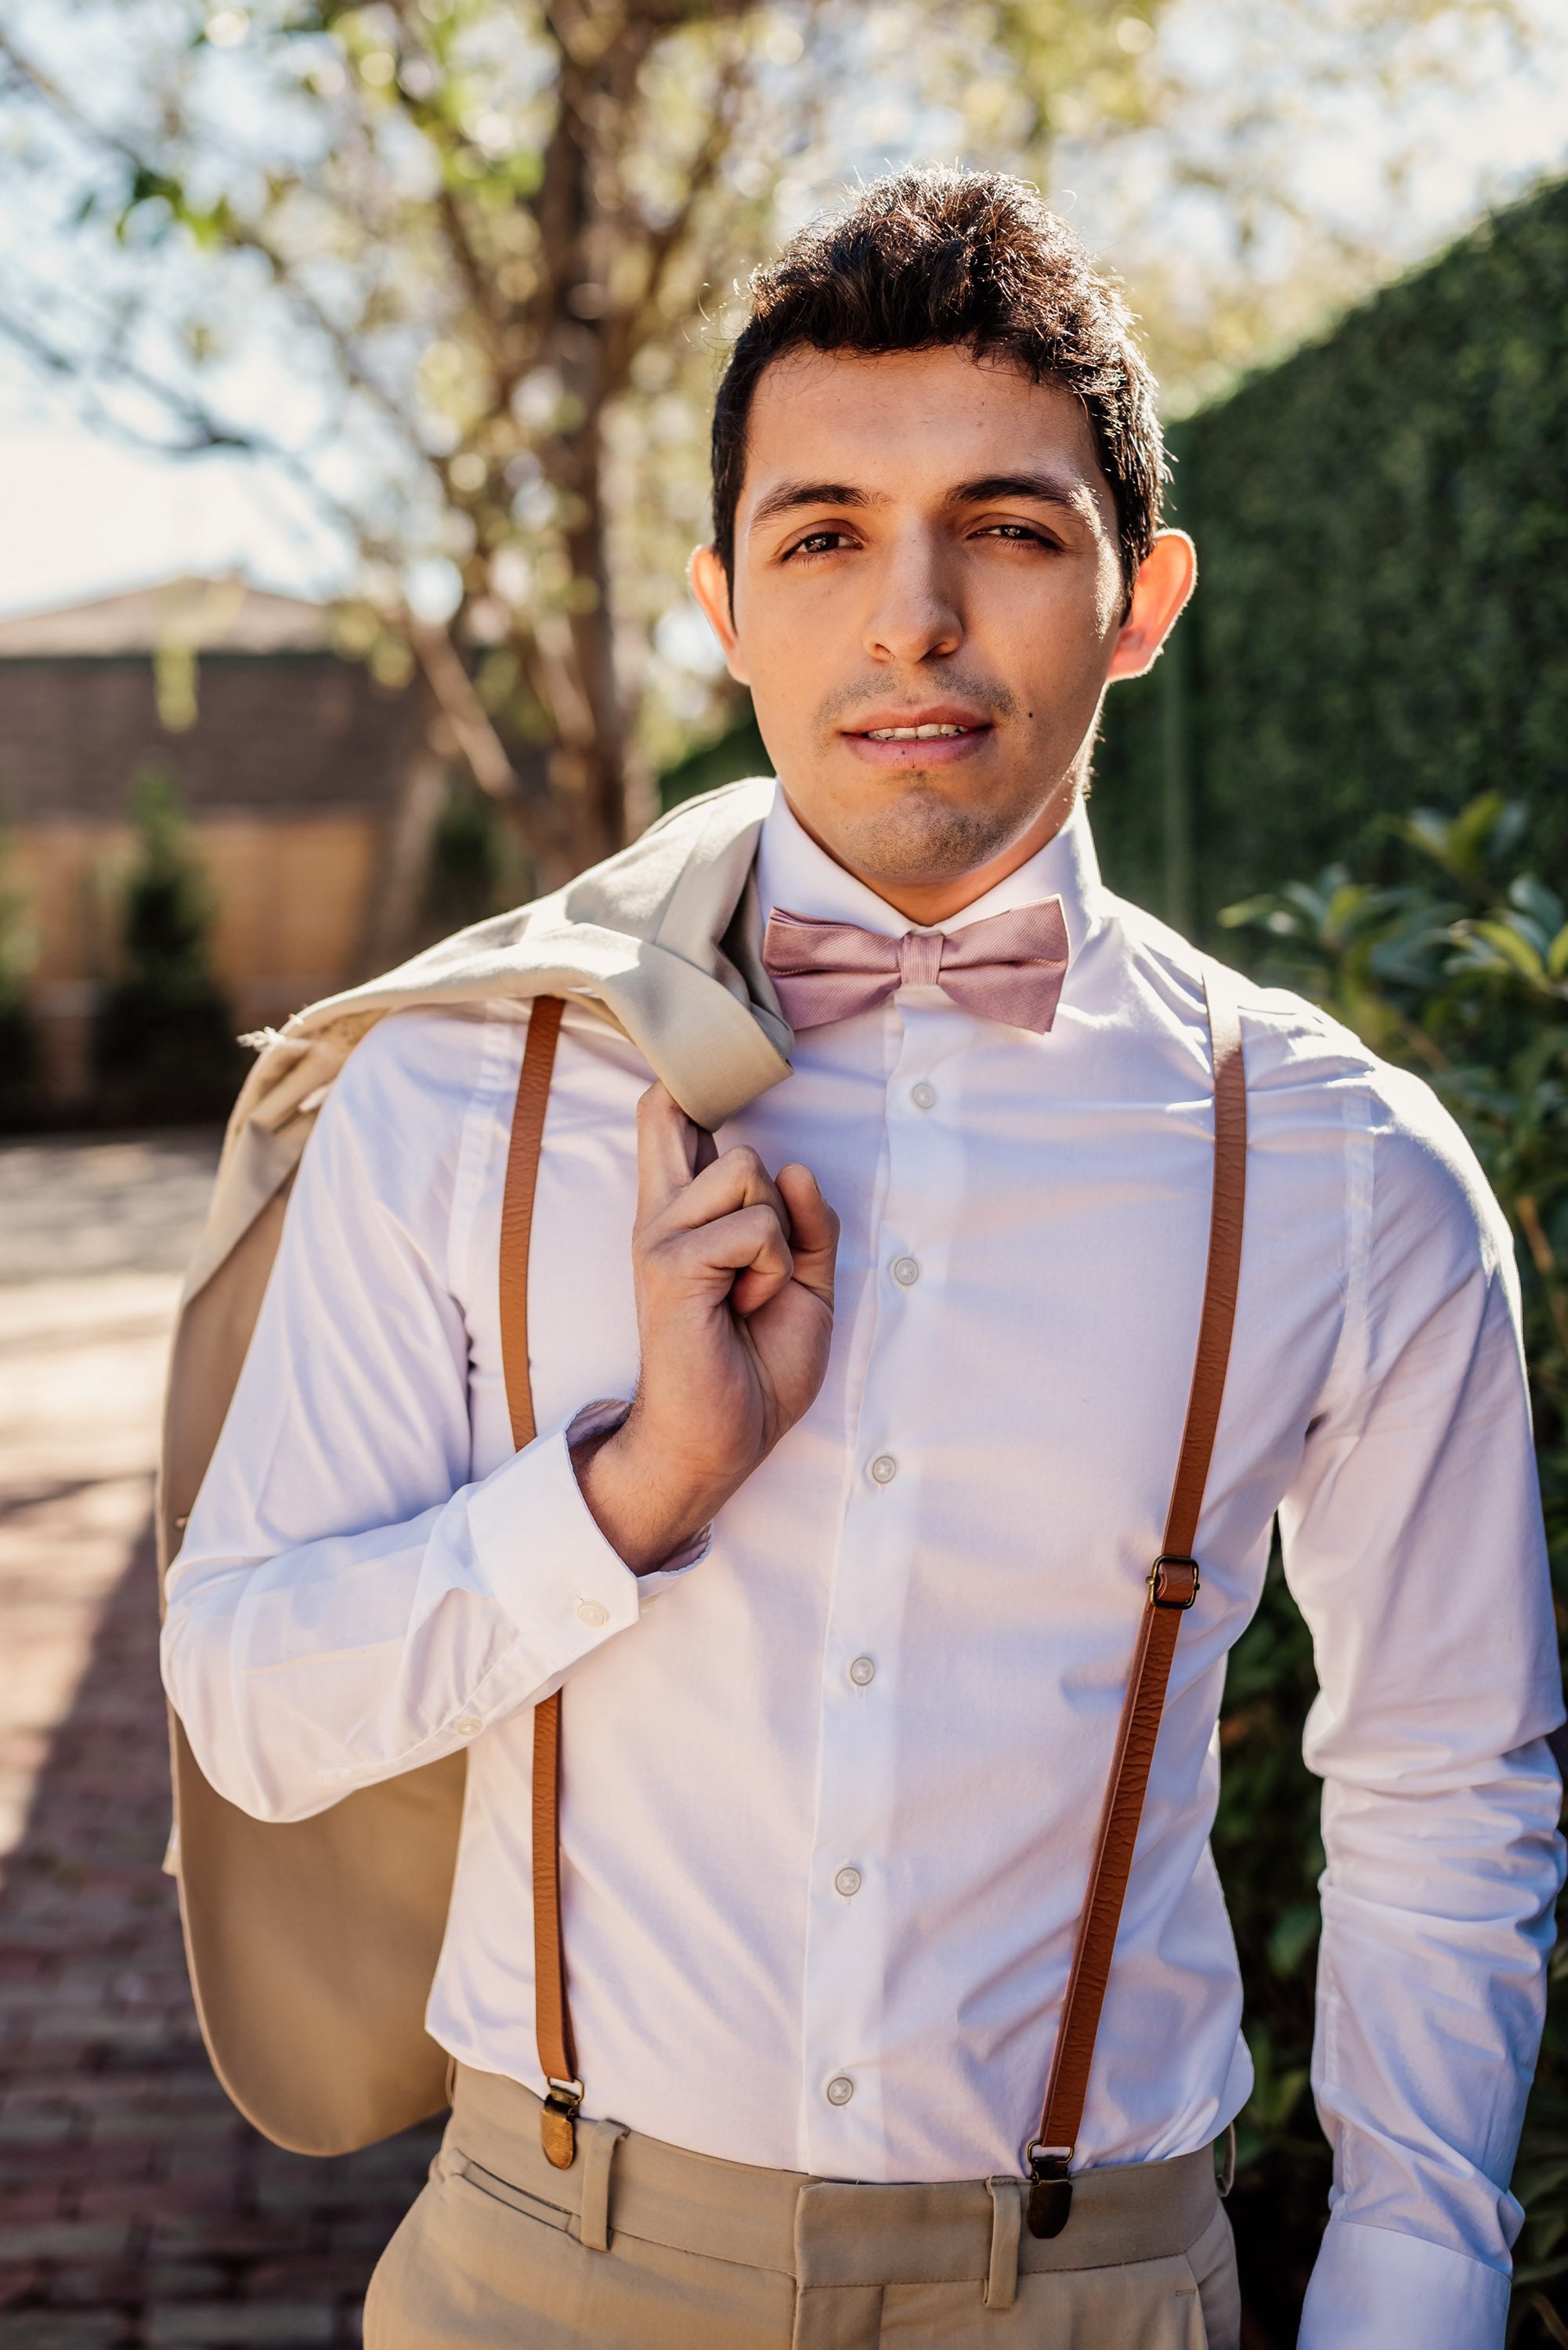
[1050,2189]
[558,2123]
[1173,1581]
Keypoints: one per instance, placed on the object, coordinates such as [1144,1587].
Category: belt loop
[1227,2175]
[1006,2225]
[598,2156]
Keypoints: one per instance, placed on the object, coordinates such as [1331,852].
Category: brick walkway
[137,2211]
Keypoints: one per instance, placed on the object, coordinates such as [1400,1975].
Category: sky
[84,516]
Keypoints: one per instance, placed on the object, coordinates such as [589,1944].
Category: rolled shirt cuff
[539,1551]
[1374,2286]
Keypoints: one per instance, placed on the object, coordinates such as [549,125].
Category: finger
[736,1180]
[666,1152]
[813,1230]
[760,1283]
[750,1243]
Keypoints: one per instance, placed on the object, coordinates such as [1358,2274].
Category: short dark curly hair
[924,259]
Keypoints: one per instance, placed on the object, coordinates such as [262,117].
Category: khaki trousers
[640,2246]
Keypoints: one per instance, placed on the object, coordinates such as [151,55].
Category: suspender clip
[558,2123]
[1173,1581]
[1050,2189]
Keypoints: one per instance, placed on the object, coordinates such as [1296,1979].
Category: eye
[1015,533]
[818,542]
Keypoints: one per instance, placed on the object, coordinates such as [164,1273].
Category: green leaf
[1509,941]
[1295,1936]
[1540,905]
[1249,912]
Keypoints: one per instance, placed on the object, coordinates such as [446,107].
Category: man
[844,1609]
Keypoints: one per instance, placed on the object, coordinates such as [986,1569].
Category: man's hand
[733,1275]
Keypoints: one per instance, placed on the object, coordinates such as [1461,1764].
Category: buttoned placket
[849,1921]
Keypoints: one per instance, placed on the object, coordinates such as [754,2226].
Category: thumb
[814,1229]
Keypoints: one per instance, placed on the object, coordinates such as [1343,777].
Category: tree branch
[454,689]
[634,324]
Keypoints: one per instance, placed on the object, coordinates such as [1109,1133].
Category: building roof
[203,615]
[270,716]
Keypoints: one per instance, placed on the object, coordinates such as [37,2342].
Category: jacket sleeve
[349,1600]
[1414,1544]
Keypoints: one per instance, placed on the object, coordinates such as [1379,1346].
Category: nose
[915,615]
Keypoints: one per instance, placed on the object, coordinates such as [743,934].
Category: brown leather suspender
[1173,1585]
[552,2014]
[1172,1588]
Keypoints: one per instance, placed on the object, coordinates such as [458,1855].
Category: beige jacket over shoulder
[312,1945]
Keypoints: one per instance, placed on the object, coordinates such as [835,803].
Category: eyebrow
[1046,489]
[790,495]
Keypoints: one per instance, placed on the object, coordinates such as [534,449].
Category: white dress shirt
[829,1795]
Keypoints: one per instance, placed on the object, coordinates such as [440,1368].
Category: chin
[921,835]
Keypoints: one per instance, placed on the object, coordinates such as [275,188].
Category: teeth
[915,734]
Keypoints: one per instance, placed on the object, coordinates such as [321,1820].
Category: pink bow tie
[1008,967]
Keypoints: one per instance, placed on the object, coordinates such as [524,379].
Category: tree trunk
[593,639]
[579,201]
[403,867]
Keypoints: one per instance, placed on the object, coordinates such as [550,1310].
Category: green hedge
[1382,616]
[1381,624]
[1461,974]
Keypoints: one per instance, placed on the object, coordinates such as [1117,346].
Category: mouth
[916,733]
[907,738]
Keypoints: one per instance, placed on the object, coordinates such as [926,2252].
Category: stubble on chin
[919,836]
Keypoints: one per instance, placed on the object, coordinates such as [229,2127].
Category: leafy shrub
[1462,973]
[1382,604]
[725,758]
[165,1050]
[477,864]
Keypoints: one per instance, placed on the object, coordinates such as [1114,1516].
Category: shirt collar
[795,873]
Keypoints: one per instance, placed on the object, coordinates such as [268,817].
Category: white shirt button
[884,1469]
[848,1882]
[468,1725]
[923,1096]
[840,2089]
[592,1613]
[906,1272]
[863,1672]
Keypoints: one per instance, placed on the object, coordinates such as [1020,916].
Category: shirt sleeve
[350,1601]
[1414,1546]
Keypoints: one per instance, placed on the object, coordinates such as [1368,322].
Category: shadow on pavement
[137,2211]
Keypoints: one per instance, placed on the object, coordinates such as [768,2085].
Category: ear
[1163,585]
[706,577]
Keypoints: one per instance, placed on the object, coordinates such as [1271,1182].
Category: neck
[942,896]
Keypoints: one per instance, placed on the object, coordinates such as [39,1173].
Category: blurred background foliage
[163,1040]
[500,242]
[1381,620]
[503,238]
[1457,968]
[1380,623]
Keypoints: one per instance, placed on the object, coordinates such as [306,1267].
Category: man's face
[927,601]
